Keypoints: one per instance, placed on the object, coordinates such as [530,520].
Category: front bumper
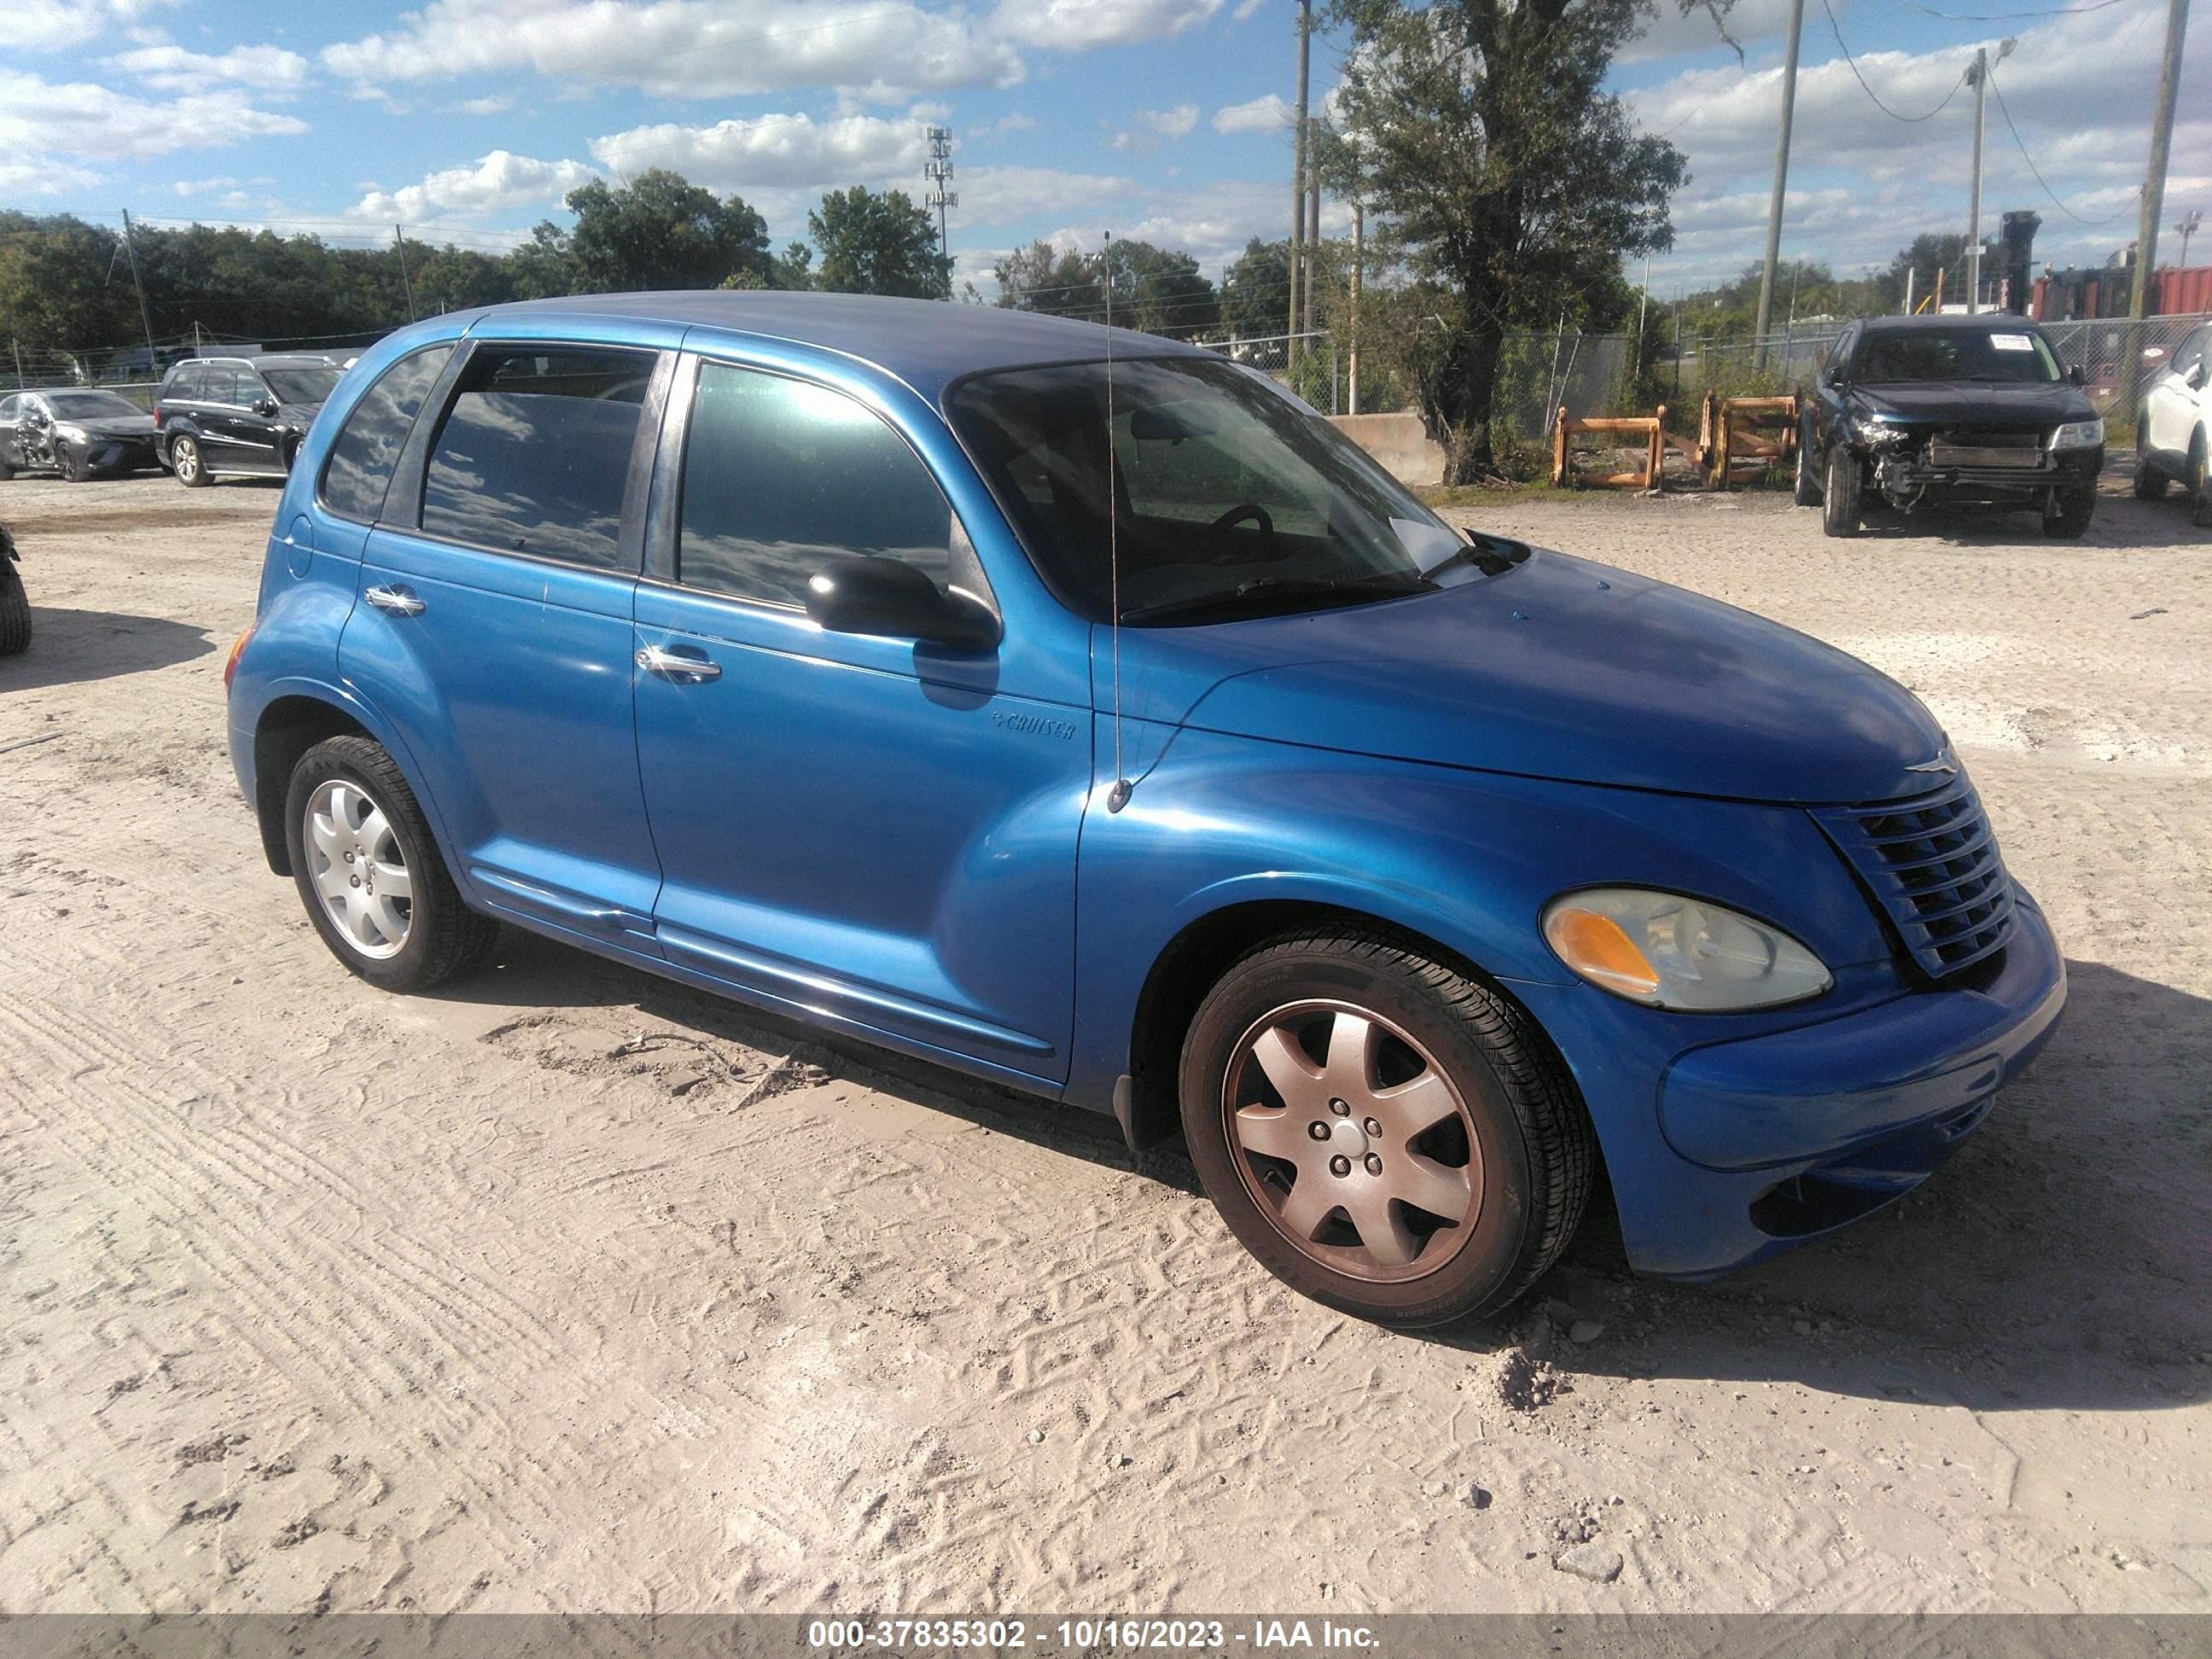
[120,454]
[1723,1153]
[1907,480]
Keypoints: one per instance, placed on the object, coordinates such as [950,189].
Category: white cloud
[994,131]
[1272,113]
[1246,9]
[1002,195]
[76,118]
[1078,25]
[495,104]
[689,48]
[499,183]
[42,176]
[774,151]
[1171,123]
[68,25]
[172,68]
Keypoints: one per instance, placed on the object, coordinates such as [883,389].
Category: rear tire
[187,462]
[1807,490]
[1840,495]
[1452,1089]
[15,610]
[2200,485]
[350,820]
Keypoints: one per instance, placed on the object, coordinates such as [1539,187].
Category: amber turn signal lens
[230,664]
[1600,949]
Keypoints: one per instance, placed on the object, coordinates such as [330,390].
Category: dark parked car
[1908,412]
[15,603]
[242,416]
[1114,729]
[77,433]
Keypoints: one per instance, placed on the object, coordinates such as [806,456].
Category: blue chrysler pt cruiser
[1078,709]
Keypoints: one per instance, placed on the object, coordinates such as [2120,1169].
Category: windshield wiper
[1493,555]
[1266,588]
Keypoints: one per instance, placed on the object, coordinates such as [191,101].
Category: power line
[2038,172]
[1870,91]
[2007,16]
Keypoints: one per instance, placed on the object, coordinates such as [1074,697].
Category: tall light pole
[939,170]
[1298,178]
[1781,186]
[2187,225]
[1979,75]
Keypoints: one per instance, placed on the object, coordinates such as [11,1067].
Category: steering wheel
[1237,515]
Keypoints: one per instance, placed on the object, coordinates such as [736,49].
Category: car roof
[928,344]
[262,360]
[1948,322]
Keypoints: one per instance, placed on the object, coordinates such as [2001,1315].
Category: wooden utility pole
[1781,186]
[2154,199]
[145,316]
[1299,177]
[406,282]
[1313,226]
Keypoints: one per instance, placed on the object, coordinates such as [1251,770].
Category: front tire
[2067,514]
[2200,485]
[187,462]
[1807,490]
[1386,1135]
[1840,495]
[15,610]
[2149,481]
[70,465]
[370,874]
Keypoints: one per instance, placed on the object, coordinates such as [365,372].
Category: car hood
[300,415]
[1955,403]
[115,426]
[1558,668]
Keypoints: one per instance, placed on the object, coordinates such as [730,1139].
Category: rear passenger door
[494,626]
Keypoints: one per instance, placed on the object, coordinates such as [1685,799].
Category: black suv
[1953,410]
[242,416]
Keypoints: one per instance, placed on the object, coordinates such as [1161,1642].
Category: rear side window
[779,475]
[186,387]
[536,451]
[358,471]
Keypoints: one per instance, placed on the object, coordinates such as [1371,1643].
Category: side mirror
[264,406]
[856,595]
[1833,374]
[36,417]
[2196,379]
[2074,376]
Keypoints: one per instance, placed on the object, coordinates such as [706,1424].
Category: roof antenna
[1118,797]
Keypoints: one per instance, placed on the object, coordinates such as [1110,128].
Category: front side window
[368,447]
[2001,355]
[218,383]
[8,408]
[1226,496]
[780,475]
[2191,352]
[534,455]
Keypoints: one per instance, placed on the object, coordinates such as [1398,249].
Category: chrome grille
[1933,864]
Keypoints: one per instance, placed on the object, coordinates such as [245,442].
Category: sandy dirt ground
[570,1289]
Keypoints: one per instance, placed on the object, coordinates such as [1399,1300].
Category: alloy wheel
[358,869]
[184,456]
[1353,1141]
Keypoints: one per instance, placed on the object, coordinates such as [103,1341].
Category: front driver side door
[876,832]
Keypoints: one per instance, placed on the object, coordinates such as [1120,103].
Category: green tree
[1161,291]
[873,244]
[1255,291]
[1930,252]
[1518,183]
[1060,282]
[55,292]
[659,231]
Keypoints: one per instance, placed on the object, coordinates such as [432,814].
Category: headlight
[75,434]
[1877,429]
[2078,435]
[1669,951]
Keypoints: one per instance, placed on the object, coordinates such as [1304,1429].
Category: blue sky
[469,119]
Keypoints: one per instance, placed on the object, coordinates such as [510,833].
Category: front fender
[1468,859]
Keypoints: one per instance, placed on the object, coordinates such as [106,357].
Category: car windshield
[90,405]
[1230,497]
[301,385]
[1961,353]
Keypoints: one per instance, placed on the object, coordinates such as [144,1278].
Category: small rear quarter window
[358,471]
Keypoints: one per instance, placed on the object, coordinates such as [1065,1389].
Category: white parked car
[2173,428]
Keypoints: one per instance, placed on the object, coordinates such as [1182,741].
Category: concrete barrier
[1398,443]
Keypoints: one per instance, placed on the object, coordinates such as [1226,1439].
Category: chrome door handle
[674,665]
[399,601]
